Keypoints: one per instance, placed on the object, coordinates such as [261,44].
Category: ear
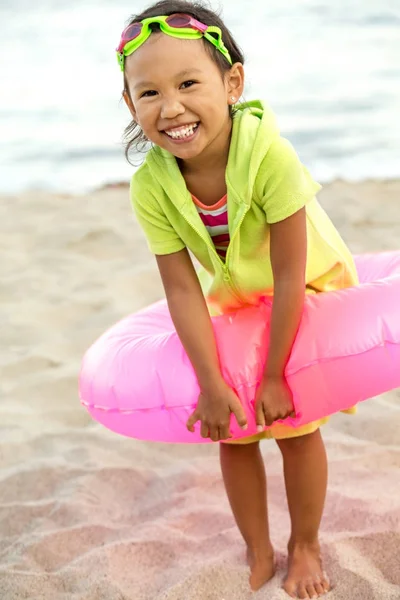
[235,82]
[129,103]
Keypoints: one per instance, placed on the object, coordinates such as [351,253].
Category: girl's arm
[288,250]
[192,322]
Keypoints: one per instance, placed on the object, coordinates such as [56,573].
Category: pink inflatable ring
[136,379]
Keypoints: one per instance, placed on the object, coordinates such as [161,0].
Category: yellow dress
[280,431]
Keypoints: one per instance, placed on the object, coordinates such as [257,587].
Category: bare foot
[305,578]
[262,568]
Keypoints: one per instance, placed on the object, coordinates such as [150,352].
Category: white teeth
[182,133]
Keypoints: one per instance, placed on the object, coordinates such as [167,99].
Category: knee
[298,444]
[231,449]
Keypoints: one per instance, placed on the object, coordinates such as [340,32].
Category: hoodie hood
[253,131]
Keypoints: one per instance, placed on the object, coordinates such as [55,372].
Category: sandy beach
[88,515]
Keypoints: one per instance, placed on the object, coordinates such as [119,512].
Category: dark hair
[133,134]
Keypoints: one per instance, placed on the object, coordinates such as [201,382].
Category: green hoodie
[266,183]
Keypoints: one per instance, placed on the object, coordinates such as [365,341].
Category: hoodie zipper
[231,282]
[226,275]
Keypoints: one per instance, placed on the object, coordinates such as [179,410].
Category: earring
[233,98]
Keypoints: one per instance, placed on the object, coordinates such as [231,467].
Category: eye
[187,84]
[148,94]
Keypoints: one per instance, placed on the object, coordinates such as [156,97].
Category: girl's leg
[245,482]
[305,468]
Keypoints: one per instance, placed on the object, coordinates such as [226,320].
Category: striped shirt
[215,219]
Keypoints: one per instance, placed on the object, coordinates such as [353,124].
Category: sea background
[331,72]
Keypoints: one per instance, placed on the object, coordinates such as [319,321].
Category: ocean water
[331,72]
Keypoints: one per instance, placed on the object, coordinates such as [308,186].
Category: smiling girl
[221,182]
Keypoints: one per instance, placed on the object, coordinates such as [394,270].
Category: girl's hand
[274,401]
[214,409]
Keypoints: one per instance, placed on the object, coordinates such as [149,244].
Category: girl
[222,183]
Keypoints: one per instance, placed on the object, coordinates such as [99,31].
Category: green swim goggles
[178,25]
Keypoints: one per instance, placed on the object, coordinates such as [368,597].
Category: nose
[171,107]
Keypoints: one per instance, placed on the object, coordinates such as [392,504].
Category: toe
[311,591]
[302,592]
[290,589]
[319,589]
[325,583]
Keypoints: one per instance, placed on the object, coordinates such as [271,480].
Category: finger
[289,412]
[260,419]
[268,418]
[224,433]
[204,431]
[194,417]
[281,417]
[239,413]
[214,434]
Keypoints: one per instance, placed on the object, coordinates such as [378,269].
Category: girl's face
[178,95]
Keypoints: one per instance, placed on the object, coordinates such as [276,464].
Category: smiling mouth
[181,134]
